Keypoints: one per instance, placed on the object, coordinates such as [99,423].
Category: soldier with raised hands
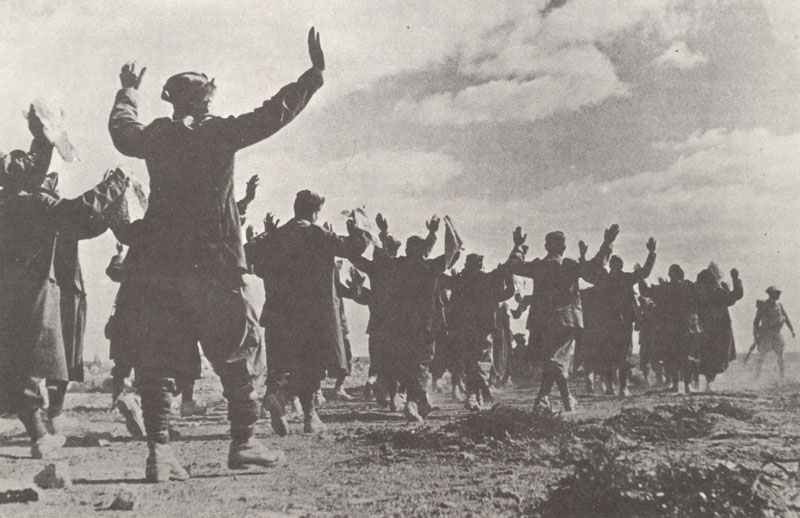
[556,314]
[186,254]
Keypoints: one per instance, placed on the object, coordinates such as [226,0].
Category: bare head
[190,93]
[774,293]
[307,205]
[473,263]
[676,273]
[416,248]
[616,263]
[555,243]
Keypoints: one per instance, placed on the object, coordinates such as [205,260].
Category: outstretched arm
[250,128]
[84,214]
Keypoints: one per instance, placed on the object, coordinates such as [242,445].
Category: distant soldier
[476,295]
[556,315]
[767,326]
[616,288]
[414,321]
[186,254]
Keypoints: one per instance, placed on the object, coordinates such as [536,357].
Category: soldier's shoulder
[761,303]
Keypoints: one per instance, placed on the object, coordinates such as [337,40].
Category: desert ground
[733,452]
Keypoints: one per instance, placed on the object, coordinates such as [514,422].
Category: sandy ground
[506,462]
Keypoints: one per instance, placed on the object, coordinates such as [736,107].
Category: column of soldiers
[183,288]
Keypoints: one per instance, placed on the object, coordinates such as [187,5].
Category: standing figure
[414,322]
[767,326]
[675,302]
[302,314]
[556,314]
[186,254]
[382,272]
[42,295]
[717,347]
[476,295]
[616,288]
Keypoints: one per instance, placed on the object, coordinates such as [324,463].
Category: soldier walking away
[556,314]
[767,326]
[714,297]
[302,315]
[186,254]
[42,295]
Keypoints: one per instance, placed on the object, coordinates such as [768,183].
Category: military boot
[163,465]
[273,403]
[312,423]
[252,453]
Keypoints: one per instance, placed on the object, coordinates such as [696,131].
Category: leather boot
[163,465]
[273,403]
[252,453]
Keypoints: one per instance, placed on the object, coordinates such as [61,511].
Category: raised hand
[582,249]
[252,185]
[315,50]
[383,225]
[128,76]
[327,226]
[519,237]
[611,234]
[35,124]
[351,226]
[651,245]
[433,224]
[356,278]
[734,274]
[270,222]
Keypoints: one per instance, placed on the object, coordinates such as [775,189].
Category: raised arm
[593,271]
[250,128]
[41,150]
[644,272]
[738,290]
[249,196]
[516,259]
[84,214]
[127,133]
[350,246]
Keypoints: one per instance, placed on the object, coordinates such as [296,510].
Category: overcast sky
[674,118]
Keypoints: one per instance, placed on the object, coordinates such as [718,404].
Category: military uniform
[186,255]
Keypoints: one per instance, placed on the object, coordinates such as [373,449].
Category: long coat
[302,314]
[42,295]
[718,347]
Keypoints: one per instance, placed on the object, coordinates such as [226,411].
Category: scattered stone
[14,492]
[124,500]
[54,476]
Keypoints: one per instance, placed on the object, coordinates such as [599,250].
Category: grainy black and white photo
[329,258]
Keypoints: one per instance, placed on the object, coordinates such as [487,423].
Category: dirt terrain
[730,453]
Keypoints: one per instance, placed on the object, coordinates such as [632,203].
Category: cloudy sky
[674,118]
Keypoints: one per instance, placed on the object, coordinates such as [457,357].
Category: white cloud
[679,55]
[526,100]
[534,65]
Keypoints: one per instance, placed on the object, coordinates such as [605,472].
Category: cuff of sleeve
[311,78]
